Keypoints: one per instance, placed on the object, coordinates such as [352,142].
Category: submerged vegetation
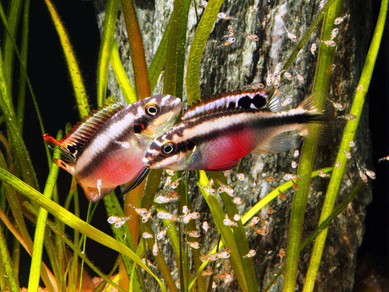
[152,217]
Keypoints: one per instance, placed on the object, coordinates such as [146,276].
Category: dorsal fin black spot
[244,102]
[259,101]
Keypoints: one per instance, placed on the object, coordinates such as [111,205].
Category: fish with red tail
[216,133]
[106,150]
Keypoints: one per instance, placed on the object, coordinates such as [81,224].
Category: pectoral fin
[279,143]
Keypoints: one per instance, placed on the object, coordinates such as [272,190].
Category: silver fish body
[107,149]
[217,139]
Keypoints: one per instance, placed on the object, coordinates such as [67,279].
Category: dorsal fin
[80,134]
[228,100]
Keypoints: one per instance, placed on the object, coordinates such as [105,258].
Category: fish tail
[320,117]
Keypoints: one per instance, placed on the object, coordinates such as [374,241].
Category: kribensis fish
[106,150]
[216,133]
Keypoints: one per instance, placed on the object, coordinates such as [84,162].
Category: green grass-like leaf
[16,139]
[348,136]
[226,232]
[23,54]
[239,234]
[175,58]
[197,47]
[14,10]
[6,261]
[73,68]
[37,251]
[159,59]
[320,89]
[73,221]
[111,12]
[121,76]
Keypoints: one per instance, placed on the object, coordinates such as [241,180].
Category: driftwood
[247,62]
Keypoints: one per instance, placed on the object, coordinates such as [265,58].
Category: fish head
[168,152]
[158,113]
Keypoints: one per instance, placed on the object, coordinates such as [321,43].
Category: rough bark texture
[248,62]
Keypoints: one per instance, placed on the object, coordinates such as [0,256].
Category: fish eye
[152,109]
[168,148]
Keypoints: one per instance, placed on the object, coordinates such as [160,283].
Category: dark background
[52,87]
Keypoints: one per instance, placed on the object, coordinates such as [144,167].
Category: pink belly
[113,171]
[225,151]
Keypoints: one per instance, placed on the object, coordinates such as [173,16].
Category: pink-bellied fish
[106,150]
[216,133]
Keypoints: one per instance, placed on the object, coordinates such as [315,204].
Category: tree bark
[246,62]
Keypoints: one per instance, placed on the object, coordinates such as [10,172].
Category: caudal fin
[321,118]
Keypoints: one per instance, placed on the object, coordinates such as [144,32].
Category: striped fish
[215,134]
[106,150]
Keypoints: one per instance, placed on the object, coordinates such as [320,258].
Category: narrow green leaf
[348,136]
[73,221]
[239,234]
[175,58]
[33,281]
[15,136]
[23,54]
[74,70]
[225,231]
[160,259]
[159,59]
[13,203]
[197,47]
[307,158]
[13,283]
[151,188]
[107,38]
[14,9]
[121,76]
[122,234]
